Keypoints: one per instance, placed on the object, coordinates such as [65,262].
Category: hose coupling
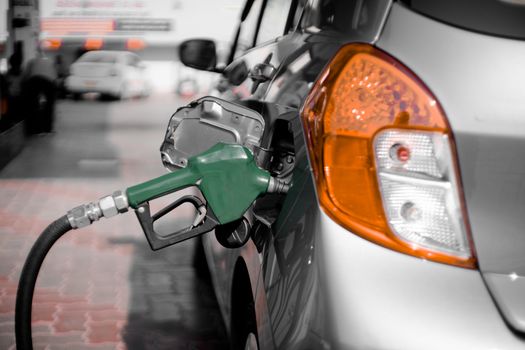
[107,207]
[277,186]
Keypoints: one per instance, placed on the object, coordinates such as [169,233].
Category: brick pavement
[100,287]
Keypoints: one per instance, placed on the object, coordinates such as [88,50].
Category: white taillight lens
[425,153]
[420,194]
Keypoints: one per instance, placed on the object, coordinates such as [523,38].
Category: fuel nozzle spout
[277,185]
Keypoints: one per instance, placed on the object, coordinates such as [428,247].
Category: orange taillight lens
[360,94]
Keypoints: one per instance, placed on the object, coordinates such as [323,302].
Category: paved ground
[100,287]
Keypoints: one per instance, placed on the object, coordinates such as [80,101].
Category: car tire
[76,96]
[106,97]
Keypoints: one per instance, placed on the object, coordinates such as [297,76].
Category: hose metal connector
[107,207]
[276,185]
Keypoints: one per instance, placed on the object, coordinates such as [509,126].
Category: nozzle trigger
[203,223]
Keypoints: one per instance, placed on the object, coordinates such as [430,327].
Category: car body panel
[292,283]
[478,79]
[381,299]
[326,288]
[508,292]
[318,286]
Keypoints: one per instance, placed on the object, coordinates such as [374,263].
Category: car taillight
[384,158]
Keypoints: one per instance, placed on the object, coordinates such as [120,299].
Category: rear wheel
[107,97]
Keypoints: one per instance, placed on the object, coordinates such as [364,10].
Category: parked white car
[116,74]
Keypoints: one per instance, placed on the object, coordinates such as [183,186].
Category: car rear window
[496,17]
[98,57]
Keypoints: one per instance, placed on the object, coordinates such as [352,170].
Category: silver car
[400,126]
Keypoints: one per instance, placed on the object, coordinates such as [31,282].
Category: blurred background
[87,89]
[65,29]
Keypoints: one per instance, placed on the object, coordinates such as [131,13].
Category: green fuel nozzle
[227,176]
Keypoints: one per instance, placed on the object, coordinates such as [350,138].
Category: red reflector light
[403,154]
[400,153]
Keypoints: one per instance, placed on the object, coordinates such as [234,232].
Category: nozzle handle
[161,186]
[158,241]
[226,174]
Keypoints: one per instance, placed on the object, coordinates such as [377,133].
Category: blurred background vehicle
[113,74]
[150,29]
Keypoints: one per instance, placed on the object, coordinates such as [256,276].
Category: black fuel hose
[26,285]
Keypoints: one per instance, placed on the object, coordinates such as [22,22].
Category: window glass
[274,20]
[497,17]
